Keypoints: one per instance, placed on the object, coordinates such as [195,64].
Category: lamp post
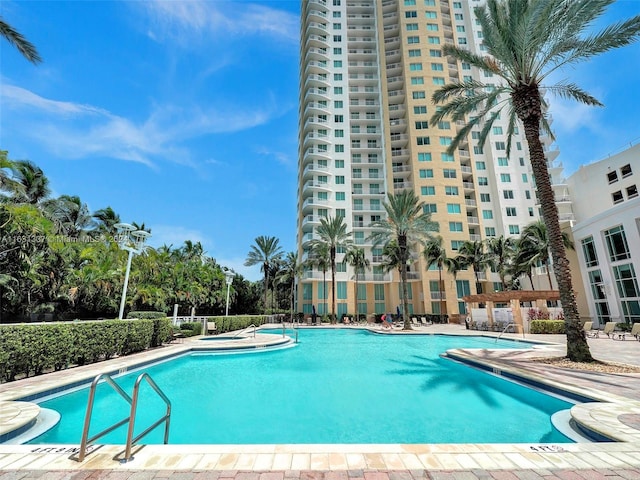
[132,241]
[229,279]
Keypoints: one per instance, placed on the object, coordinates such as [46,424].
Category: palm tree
[435,254]
[15,38]
[360,263]
[406,224]
[265,251]
[502,250]
[106,219]
[319,257]
[472,254]
[69,214]
[32,185]
[290,271]
[333,233]
[526,42]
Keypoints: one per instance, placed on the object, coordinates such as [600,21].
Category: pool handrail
[130,419]
[509,325]
[240,332]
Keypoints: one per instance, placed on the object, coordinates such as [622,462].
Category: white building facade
[606,205]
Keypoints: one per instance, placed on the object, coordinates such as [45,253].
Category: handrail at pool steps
[130,418]
[509,325]
[240,332]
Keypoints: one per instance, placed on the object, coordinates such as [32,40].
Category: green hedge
[547,326]
[146,315]
[191,329]
[229,324]
[27,350]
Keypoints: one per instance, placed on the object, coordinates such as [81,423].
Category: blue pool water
[336,386]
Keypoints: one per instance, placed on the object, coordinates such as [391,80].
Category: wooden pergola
[513,298]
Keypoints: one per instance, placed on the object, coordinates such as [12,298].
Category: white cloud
[571,116]
[176,236]
[237,265]
[181,21]
[281,157]
[74,130]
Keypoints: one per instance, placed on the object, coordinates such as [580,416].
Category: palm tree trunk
[356,298]
[402,244]
[333,286]
[266,287]
[528,107]
[440,290]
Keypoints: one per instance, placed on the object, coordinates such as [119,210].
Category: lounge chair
[589,331]
[609,329]
[423,321]
[211,327]
[414,320]
[635,332]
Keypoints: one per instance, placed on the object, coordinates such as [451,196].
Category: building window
[339,133]
[423,140]
[490,231]
[511,211]
[424,157]
[337,90]
[626,170]
[632,191]
[431,15]
[497,130]
[417,80]
[428,191]
[525,179]
[338,118]
[617,197]
[410,14]
[337,26]
[627,284]
[435,53]
[483,181]
[453,208]
[415,67]
[413,39]
[505,178]
[339,179]
[507,194]
[446,157]
[340,163]
[339,148]
[341,212]
[514,230]
[487,214]
[456,244]
[420,110]
[434,40]
[425,173]
[418,95]
[438,81]
[378,291]
[617,245]
[481,166]
[500,146]
[445,141]
[411,27]
[449,173]
[432,27]
[589,251]
[455,226]
[421,125]
[338,104]
[612,176]
[429,208]
[337,51]
[485,197]
[337,38]
[452,191]
[503,162]
[414,53]
[340,196]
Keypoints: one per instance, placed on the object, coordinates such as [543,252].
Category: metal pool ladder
[133,401]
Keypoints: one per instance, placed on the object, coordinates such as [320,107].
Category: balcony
[438,295]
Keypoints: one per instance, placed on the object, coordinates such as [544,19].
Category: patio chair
[589,331]
[609,329]
[211,327]
[423,321]
[414,321]
[635,332]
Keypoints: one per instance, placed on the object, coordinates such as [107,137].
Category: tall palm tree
[333,233]
[319,257]
[434,253]
[7,183]
[534,241]
[360,263]
[290,271]
[528,41]
[406,223]
[15,38]
[69,214]
[472,254]
[502,250]
[265,251]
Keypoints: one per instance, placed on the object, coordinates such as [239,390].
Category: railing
[130,419]
[240,332]
[509,325]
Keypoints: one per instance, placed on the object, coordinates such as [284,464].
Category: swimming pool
[337,386]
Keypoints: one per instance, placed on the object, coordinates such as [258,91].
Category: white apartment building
[368,69]
[606,205]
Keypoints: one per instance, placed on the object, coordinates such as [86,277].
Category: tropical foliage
[527,42]
[58,258]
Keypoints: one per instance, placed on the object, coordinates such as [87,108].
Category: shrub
[547,326]
[191,329]
[146,315]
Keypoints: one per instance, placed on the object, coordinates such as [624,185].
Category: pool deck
[617,416]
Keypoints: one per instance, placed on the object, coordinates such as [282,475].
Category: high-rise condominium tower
[368,69]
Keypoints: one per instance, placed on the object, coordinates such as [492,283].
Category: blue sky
[183,114]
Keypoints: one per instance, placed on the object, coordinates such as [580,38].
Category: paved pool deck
[617,414]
